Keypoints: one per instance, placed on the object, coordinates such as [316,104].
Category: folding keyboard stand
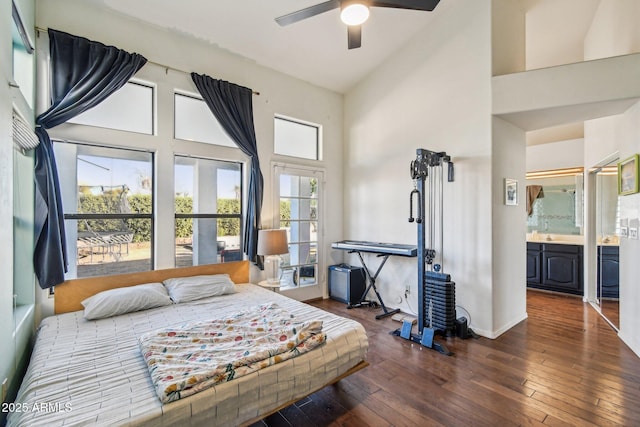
[372,284]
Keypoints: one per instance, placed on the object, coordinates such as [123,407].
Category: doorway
[298,195]
[607,212]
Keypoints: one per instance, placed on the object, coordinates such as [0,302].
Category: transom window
[296,139]
[195,122]
[129,109]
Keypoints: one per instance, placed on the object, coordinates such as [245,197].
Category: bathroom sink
[560,239]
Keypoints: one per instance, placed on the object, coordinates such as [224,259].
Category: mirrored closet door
[607,238]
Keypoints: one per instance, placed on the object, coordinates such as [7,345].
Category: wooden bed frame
[353,370]
[69,295]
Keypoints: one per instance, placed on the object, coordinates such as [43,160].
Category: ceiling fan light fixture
[354,14]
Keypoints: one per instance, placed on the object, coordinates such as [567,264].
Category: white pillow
[182,289]
[125,300]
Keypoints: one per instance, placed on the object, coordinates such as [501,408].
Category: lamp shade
[272,242]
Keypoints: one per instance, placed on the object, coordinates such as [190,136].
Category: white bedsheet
[92,373]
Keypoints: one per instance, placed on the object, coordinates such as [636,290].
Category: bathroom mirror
[555,202]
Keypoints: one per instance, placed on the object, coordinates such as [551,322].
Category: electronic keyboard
[376,247]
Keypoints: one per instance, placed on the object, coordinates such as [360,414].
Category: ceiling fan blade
[354,33]
[299,15]
[427,5]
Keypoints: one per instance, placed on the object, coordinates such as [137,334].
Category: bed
[92,372]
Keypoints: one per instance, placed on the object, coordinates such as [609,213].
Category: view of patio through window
[299,215]
[108,201]
[208,208]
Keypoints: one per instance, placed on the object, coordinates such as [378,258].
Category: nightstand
[275,287]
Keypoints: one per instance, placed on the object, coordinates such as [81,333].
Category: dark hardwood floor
[563,366]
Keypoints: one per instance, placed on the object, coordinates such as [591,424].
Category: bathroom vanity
[555,266]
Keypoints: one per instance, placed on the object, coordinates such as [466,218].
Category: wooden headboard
[69,295]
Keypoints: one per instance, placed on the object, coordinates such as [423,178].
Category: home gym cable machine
[436,291]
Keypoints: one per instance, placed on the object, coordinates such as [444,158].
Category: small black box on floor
[346,283]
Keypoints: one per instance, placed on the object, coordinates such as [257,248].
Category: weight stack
[440,292]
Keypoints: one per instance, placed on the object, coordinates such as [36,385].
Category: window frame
[77,216]
[162,144]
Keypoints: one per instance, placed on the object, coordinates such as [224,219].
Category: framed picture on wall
[628,175]
[510,192]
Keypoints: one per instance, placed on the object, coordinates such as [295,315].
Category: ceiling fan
[354,13]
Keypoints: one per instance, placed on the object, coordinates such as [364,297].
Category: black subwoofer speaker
[346,283]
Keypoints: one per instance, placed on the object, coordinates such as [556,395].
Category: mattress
[92,373]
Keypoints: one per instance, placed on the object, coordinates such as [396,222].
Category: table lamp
[272,244]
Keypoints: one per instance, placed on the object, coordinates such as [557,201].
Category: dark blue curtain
[83,74]
[232,105]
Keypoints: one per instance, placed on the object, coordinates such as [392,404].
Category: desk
[383,250]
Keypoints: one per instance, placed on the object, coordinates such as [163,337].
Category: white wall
[509,228]
[435,93]
[629,143]
[508,37]
[614,31]
[555,155]
[279,94]
[508,161]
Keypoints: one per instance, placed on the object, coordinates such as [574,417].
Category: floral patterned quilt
[192,357]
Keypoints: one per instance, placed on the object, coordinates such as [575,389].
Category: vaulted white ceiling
[315,50]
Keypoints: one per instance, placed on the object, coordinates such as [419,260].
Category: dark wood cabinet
[534,263]
[609,271]
[558,267]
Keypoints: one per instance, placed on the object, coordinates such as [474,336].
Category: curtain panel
[83,74]
[232,105]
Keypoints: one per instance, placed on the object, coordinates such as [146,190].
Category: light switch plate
[624,227]
[633,233]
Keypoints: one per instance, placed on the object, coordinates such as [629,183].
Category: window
[208,208]
[130,109]
[296,139]
[186,209]
[22,53]
[298,197]
[108,201]
[195,122]
[23,208]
